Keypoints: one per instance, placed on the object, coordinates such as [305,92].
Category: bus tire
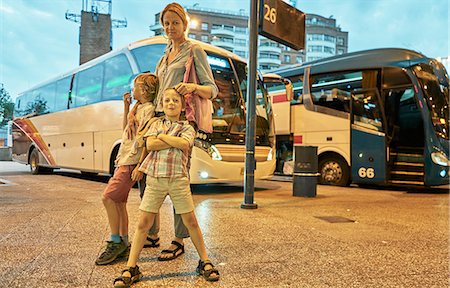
[333,171]
[34,164]
[112,166]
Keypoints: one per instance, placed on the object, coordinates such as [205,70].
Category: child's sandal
[136,276]
[210,274]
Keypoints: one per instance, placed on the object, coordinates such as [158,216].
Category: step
[405,182]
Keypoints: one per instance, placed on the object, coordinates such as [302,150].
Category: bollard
[305,171]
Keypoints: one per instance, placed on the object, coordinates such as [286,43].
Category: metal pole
[250,138]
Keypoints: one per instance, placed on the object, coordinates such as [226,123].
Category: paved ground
[52,228]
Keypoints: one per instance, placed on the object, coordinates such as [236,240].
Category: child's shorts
[120,184]
[157,189]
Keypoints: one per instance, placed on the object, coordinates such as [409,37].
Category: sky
[38,43]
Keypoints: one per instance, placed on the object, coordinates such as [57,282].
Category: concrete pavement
[52,228]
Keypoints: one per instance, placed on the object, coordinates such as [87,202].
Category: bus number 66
[366,172]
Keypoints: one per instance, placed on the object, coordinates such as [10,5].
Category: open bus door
[368,143]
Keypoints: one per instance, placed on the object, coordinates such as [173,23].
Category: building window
[240,53]
[330,38]
[287,58]
[216,26]
[205,38]
[315,48]
[228,27]
[340,41]
[240,30]
[192,36]
[204,26]
[340,51]
[299,59]
[329,50]
[240,42]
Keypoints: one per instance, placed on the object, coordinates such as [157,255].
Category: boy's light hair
[183,102]
[150,83]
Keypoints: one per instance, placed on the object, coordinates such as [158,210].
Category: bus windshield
[435,84]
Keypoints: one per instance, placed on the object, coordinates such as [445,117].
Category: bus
[74,121]
[378,117]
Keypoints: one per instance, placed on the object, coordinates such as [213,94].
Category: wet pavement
[53,227]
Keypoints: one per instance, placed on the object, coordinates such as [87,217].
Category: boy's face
[172,103]
[138,92]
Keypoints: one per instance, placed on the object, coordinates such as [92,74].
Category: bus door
[368,143]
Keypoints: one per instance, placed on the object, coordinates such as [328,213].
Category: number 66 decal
[366,172]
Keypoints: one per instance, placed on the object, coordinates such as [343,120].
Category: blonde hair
[150,84]
[177,9]
[183,102]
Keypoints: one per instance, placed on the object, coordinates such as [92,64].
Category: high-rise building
[229,30]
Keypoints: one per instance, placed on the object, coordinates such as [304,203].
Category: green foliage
[6,107]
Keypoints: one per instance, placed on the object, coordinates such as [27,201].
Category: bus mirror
[289,89]
[275,78]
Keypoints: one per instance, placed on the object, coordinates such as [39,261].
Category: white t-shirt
[130,150]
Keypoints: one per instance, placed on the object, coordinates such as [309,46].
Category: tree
[6,106]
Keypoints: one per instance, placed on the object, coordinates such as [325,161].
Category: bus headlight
[270,155]
[440,158]
[215,154]
[204,175]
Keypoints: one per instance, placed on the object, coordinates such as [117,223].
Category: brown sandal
[207,273]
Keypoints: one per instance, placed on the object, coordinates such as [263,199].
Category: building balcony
[156,27]
[271,49]
[222,32]
[223,44]
[269,61]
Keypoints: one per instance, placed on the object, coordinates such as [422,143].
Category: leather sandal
[173,252]
[153,243]
[126,282]
[207,273]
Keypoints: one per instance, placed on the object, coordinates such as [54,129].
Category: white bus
[74,121]
[378,117]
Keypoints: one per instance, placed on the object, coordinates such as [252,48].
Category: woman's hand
[136,175]
[185,88]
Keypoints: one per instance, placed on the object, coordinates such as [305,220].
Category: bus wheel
[333,171]
[34,164]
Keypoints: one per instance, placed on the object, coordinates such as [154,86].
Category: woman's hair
[150,83]
[177,9]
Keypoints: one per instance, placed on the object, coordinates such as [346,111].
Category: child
[126,174]
[169,142]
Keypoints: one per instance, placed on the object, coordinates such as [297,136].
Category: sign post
[282,23]
[250,137]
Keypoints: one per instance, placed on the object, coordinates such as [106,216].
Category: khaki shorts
[157,189]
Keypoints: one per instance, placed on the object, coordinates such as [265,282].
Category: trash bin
[305,171]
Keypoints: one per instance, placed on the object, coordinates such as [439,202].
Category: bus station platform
[53,227]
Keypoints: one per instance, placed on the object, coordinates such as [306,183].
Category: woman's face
[173,26]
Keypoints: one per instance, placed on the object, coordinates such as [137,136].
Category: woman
[170,71]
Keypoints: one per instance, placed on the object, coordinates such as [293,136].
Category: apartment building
[229,30]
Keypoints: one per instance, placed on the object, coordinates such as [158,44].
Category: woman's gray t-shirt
[171,74]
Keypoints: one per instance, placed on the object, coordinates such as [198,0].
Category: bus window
[366,109]
[333,90]
[117,77]
[62,93]
[89,86]
[47,96]
[148,56]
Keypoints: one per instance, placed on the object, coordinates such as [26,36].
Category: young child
[169,143]
[115,196]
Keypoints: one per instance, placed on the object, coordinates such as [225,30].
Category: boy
[169,142]
[126,174]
